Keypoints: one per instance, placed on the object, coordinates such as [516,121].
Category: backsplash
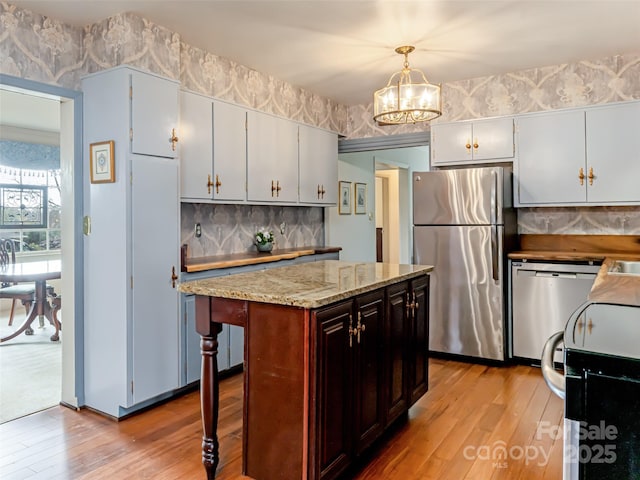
[580,220]
[230,229]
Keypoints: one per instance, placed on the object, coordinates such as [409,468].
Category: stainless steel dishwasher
[543,297]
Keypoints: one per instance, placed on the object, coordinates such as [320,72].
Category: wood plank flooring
[458,430]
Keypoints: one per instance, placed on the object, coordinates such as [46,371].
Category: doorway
[62,236]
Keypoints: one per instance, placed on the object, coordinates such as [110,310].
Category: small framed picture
[361,198]
[102,163]
[344,202]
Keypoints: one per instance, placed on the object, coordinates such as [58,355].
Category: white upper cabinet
[613,153]
[213,149]
[229,152]
[467,142]
[272,159]
[585,156]
[196,146]
[154,122]
[318,155]
[551,156]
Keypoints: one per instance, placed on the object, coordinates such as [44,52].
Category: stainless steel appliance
[601,388]
[544,295]
[463,225]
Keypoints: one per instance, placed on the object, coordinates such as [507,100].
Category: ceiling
[344,50]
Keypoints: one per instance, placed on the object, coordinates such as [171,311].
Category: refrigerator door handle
[494,198]
[495,254]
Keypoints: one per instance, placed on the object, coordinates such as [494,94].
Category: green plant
[263,237]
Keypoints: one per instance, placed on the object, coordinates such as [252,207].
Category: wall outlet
[198,230]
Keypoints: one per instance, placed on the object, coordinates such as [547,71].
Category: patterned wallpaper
[43,49]
[231,228]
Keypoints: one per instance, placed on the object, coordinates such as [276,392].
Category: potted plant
[264,240]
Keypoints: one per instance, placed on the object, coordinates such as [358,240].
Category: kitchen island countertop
[308,285]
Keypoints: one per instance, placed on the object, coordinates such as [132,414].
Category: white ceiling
[344,50]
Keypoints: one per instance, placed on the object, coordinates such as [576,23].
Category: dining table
[38,272]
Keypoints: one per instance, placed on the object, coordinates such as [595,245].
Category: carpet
[30,371]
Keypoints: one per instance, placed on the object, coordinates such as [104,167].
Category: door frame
[73,358]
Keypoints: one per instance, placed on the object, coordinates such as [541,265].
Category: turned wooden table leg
[209,398]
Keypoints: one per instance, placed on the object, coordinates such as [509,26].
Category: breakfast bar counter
[335,352]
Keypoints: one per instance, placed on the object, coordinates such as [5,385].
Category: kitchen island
[335,353]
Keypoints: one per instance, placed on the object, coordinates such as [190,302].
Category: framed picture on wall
[102,161]
[344,202]
[361,198]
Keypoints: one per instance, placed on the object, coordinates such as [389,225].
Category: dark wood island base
[321,382]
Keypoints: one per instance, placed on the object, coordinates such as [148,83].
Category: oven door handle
[555,380]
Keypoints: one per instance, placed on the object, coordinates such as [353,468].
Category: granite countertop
[612,288]
[307,285]
[213,262]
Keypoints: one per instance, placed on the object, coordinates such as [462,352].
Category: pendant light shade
[408,96]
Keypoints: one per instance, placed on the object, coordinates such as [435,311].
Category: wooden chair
[19,291]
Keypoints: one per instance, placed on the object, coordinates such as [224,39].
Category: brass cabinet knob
[174,277]
[475,144]
[591,176]
[581,176]
[173,139]
[468,145]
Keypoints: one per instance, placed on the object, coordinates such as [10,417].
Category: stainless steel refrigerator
[463,225]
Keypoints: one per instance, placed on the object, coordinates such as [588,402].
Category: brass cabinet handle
[361,327]
[174,277]
[173,139]
[319,191]
[278,188]
[589,326]
[352,331]
[581,176]
[323,191]
[273,187]
[416,305]
[218,184]
[591,176]
[209,184]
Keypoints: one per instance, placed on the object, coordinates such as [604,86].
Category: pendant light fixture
[407,99]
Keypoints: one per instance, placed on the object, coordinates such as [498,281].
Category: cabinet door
[154,332]
[368,369]
[318,155]
[272,159]
[449,143]
[613,153]
[196,146]
[229,152]
[418,346]
[396,335]
[191,341]
[334,391]
[492,139]
[551,154]
[154,115]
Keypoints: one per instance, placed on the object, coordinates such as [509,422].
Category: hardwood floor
[455,431]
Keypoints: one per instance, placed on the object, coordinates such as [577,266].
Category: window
[30,195]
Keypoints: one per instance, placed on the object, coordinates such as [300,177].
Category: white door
[449,143]
[318,155]
[551,152]
[154,115]
[229,152]
[613,152]
[196,146]
[492,139]
[154,333]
